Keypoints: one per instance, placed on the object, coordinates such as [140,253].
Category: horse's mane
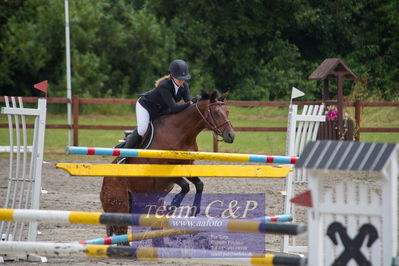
[204,95]
[212,96]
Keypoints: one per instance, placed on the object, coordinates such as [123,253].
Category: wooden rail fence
[76,101]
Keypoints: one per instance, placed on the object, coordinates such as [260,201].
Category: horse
[172,132]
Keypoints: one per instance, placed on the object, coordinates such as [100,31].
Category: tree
[255,49]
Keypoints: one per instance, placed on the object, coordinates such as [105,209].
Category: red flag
[303,199]
[41,86]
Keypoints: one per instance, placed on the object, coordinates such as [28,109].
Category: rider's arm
[186,93]
[173,107]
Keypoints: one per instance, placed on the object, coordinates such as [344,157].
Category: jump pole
[155,221]
[275,218]
[182,155]
[169,170]
[148,253]
[110,240]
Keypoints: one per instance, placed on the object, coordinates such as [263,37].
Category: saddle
[145,143]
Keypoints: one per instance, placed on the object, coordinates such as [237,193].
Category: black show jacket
[162,99]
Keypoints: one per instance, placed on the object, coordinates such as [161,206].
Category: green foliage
[257,50]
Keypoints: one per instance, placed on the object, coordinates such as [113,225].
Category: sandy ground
[82,194]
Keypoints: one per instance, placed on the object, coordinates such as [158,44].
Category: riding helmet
[179,70]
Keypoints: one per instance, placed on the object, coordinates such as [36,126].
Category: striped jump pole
[149,253]
[174,170]
[275,218]
[110,240]
[183,155]
[155,221]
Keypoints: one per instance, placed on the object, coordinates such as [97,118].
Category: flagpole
[295,93]
[292,97]
[68,74]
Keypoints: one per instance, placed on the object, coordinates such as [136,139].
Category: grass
[245,142]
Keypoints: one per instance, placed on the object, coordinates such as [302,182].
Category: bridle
[211,123]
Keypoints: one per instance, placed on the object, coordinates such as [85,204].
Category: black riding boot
[133,140]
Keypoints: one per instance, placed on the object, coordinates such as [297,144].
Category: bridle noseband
[212,124]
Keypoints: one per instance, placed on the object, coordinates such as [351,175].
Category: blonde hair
[160,79]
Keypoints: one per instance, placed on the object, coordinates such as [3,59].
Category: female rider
[161,100]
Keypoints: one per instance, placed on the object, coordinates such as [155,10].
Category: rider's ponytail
[163,78]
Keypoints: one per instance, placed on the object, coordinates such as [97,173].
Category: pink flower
[332,115]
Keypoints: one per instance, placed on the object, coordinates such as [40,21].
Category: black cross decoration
[352,246]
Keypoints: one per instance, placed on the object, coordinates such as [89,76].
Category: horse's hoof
[161,201]
[124,244]
[195,213]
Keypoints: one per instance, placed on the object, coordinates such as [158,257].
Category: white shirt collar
[176,87]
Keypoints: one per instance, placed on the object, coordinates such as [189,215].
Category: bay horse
[172,132]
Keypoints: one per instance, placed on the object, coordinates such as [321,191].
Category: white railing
[301,129]
[25,168]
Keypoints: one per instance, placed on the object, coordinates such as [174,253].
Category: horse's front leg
[115,198]
[185,188]
[199,187]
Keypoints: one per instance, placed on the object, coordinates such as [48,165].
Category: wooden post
[358,111]
[326,91]
[340,105]
[75,112]
[215,142]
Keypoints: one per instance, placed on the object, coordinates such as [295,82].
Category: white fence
[301,129]
[25,167]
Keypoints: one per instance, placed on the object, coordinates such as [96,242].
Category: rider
[161,100]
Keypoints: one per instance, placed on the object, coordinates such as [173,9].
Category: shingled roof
[330,68]
[346,155]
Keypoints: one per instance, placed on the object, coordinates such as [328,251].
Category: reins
[212,124]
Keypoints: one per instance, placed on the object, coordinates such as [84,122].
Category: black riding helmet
[179,70]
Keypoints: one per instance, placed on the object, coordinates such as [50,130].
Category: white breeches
[143,119]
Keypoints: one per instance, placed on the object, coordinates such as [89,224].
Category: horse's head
[216,116]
